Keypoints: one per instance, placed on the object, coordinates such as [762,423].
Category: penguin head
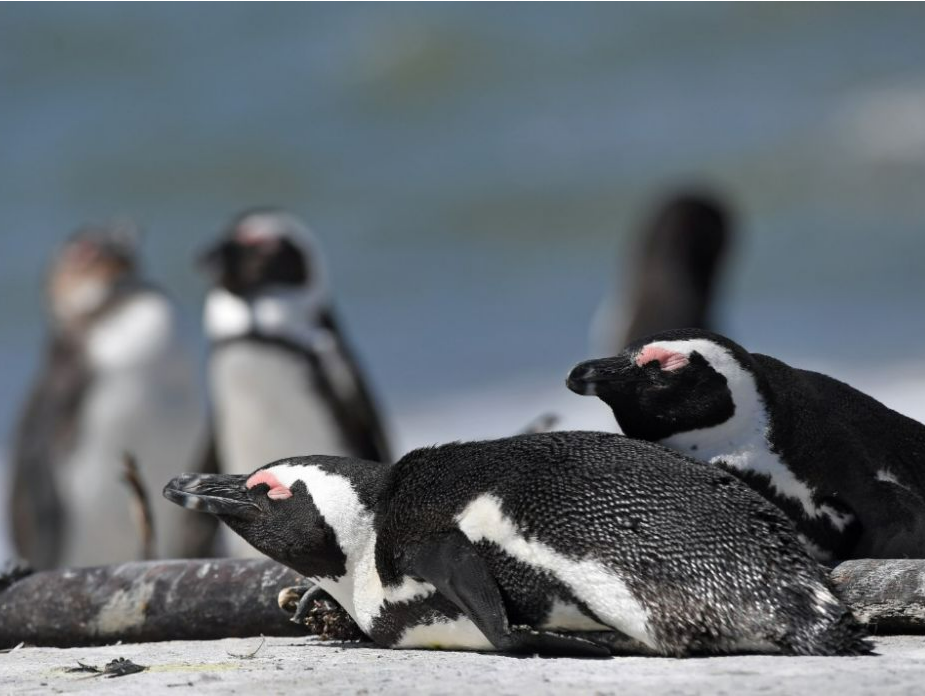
[91,267]
[264,249]
[669,383]
[274,511]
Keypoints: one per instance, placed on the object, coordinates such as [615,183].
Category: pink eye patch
[667,359]
[277,490]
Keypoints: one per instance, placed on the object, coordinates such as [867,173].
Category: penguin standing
[847,470]
[115,380]
[553,543]
[681,254]
[282,377]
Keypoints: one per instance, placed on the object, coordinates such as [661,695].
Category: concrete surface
[287,665]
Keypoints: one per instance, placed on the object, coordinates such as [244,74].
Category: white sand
[286,665]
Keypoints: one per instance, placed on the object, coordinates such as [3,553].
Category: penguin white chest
[267,406]
[144,400]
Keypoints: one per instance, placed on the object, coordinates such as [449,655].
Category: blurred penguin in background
[282,378]
[114,380]
[674,274]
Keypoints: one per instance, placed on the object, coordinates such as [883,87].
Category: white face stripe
[336,500]
[742,441]
[360,591]
[605,593]
[719,357]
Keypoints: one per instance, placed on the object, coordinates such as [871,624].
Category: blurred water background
[477,172]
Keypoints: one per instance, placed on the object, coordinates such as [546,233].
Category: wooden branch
[148,601]
[141,505]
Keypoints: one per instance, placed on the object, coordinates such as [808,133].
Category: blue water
[476,171]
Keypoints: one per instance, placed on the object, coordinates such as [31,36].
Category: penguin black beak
[587,377]
[581,379]
[224,495]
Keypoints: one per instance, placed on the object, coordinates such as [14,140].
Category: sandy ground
[285,665]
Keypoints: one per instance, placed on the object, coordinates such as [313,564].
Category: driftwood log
[230,598]
[147,601]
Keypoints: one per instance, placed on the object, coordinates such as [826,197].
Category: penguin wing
[355,406]
[46,434]
[452,564]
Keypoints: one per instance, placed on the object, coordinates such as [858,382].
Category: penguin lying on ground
[847,470]
[115,379]
[282,377]
[682,250]
[521,543]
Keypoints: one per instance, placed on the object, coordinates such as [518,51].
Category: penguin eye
[668,360]
[278,491]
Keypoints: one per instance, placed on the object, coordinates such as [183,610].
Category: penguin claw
[304,607]
[292,599]
[313,608]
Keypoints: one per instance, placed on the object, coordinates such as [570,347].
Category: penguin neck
[289,314]
[350,589]
[338,501]
[347,505]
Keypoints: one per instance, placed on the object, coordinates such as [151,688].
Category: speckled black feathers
[715,566]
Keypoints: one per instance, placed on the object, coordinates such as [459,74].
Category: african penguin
[543,543]
[681,253]
[115,379]
[282,377]
[847,470]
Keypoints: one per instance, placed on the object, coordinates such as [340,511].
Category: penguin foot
[312,607]
[529,640]
[298,600]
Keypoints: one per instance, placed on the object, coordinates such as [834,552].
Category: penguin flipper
[451,563]
[357,407]
[47,430]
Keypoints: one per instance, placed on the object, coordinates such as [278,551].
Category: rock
[889,595]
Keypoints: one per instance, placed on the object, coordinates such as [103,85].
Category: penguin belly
[150,408]
[444,633]
[267,407]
